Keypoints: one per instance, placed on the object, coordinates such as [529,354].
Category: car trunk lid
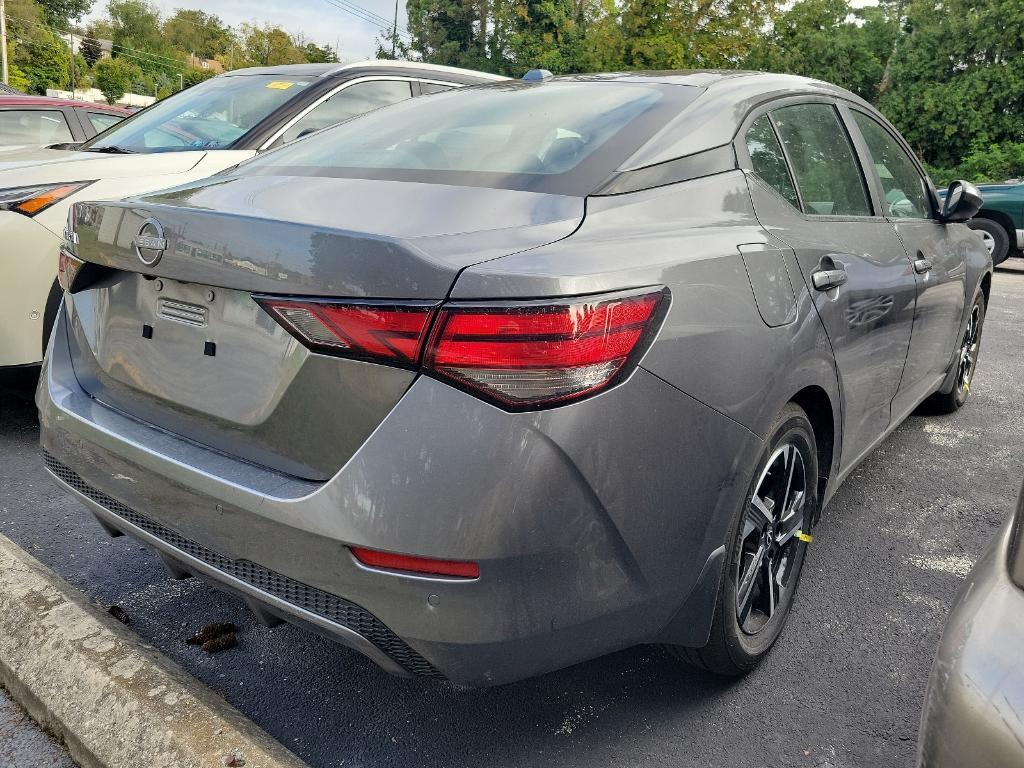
[180,342]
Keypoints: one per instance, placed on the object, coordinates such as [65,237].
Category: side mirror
[963,201]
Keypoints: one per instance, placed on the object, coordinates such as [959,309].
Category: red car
[39,121]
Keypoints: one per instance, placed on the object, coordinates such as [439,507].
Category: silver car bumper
[974,709]
[596,526]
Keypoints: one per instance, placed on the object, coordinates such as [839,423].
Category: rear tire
[750,612]
[966,363]
[996,238]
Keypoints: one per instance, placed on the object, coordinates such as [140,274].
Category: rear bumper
[594,524]
[972,712]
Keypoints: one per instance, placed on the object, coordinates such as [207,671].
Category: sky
[319,20]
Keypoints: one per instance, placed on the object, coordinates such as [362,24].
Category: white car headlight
[32,200]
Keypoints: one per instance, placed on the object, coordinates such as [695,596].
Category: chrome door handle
[922,265]
[827,279]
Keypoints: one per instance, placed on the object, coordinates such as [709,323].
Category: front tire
[996,239]
[966,363]
[765,556]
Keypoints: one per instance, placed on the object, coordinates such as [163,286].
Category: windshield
[563,137]
[210,115]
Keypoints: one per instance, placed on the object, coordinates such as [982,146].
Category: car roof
[713,119]
[46,101]
[361,67]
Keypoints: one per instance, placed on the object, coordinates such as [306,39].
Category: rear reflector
[68,267]
[518,355]
[395,562]
[387,333]
[526,355]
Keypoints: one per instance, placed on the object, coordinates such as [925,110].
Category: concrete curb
[114,701]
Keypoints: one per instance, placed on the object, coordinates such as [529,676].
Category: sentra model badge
[150,243]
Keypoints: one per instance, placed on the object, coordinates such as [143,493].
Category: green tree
[16,78]
[194,75]
[449,32]
[137,33]
[546,34]
[91,50]
[391,45]
[114,77]
[46,62]
[316,54]
[135,24]
[267,46]
[828,40]
[688,34]
[956,81]
[197,32]
[60,13]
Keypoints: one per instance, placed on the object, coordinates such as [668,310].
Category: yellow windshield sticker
[280,85]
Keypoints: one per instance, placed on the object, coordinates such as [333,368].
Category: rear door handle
[827,279]
[922,265]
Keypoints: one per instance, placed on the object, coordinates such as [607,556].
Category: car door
[937,251]
[809,191]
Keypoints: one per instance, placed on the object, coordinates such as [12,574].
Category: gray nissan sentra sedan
[496,381]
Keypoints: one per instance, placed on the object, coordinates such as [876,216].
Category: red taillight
[524,355]
[389,333]
[520,355]
[427,565]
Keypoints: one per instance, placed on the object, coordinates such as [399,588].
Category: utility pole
[3,41]
[394,31]
[71,36]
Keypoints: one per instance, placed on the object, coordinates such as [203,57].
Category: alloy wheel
[969,351]
[769,539]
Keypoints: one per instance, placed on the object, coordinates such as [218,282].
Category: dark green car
[1000,222]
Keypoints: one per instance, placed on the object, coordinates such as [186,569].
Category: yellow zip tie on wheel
[805,537]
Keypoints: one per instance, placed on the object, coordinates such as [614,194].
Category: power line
[368,16]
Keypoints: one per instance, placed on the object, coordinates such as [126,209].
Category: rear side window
[348,102]
[33,126]
[103,120]
[426,88]
[767,160]
[824,164]
[906,194]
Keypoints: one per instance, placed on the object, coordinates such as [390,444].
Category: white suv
[193,134]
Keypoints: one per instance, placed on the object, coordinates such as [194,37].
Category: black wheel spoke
[767,537]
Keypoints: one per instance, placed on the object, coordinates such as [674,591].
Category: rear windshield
[211,115]
[563,137]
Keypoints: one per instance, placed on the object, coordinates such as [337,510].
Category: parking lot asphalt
[843,686]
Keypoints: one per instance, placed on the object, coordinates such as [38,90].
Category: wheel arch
[986,286]
[53,300]
[819,408]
